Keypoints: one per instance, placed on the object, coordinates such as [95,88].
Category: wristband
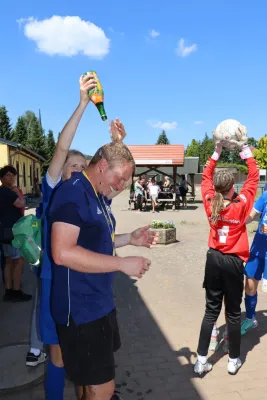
[246,153]
[215,156]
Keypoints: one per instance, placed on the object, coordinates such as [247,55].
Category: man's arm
[16,198]
[69,130]
[122,240]
[65,251]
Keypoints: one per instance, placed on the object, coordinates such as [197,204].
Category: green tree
[260,153]
[5,124]
[36,139]
[162,139]
[253,142]
[51,145]
[20,133]
[193,149]
[206,149]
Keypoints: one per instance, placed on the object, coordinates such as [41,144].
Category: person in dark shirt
[83,243]
[11,206]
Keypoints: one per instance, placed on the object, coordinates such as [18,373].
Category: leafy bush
[163,224]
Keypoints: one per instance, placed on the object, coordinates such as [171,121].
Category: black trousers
[139,202]
[223,279]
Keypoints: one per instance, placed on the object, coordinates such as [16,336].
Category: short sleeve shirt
[9,214]
[259,245]
[84,296]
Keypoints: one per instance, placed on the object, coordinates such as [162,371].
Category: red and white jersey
[229,234]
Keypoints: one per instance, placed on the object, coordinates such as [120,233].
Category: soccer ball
[230,133]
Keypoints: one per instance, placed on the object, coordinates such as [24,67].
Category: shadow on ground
[147,366]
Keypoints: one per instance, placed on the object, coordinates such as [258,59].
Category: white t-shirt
[154,189]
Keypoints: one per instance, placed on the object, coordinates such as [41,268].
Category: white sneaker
[200,368]
[233,367]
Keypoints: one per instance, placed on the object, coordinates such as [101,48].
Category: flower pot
[166,236]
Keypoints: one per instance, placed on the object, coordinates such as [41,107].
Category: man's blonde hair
[114,153]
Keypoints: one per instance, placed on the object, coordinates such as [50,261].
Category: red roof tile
[160,154]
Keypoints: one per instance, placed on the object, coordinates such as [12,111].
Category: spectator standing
[11,206]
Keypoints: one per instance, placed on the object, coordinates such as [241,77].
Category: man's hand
[117,131]
[87,82]
[135,266]
[143,237]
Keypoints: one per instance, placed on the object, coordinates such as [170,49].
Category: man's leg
[35,355]
[8,272]
[99,392]
[88,356]
[153,201]
[18,262]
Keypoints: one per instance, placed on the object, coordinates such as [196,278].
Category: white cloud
[154,33]
[184,51]
[198,122]
[167,126]
[66,36]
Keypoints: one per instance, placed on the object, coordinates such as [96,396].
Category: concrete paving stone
[13,372]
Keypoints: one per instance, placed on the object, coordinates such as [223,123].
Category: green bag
[27,233]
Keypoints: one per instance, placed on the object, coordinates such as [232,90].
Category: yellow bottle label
[96,94]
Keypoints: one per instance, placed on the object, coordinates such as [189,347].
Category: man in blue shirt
[256,264]
[82,246]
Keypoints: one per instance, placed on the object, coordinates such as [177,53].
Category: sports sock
[251,303]
[55,382]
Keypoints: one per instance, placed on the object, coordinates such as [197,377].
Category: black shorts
[88,350]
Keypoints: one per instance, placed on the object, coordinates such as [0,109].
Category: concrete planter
[166,236]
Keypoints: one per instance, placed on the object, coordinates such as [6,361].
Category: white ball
[230,133]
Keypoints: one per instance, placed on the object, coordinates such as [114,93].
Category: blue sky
[180,64]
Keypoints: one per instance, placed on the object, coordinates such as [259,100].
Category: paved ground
[160,318]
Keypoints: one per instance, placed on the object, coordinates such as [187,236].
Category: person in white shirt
[154,193]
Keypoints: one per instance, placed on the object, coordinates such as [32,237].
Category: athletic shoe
[200,368]
[264,286]
[116,396]
[214,344]
[33,360]
[248,324]
[8,296]
[225,343]
[233,367]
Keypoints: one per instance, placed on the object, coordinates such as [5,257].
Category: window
[24,175]
[37,174]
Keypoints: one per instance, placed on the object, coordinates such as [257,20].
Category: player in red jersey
[228,250]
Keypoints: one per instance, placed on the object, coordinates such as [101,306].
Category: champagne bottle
[97,96]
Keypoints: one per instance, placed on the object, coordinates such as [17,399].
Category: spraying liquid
[97,96]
